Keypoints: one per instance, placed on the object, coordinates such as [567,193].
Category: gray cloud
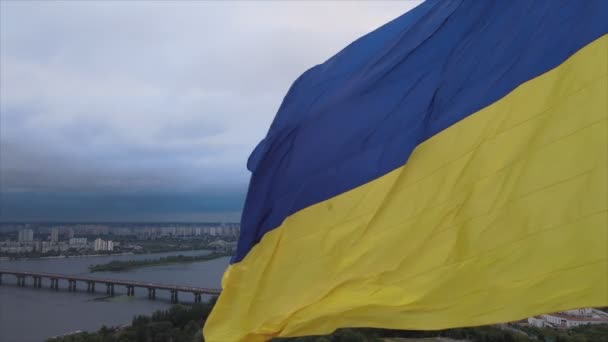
[154,96]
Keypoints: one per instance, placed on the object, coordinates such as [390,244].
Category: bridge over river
[109,283]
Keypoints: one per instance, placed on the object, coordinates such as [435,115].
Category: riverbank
[155,251]
[117,266]
[56,313]
[63,256]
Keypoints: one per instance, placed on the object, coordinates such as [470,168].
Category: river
[32,314]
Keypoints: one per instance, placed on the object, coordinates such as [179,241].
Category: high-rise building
[54,234]
[98,245]
[103,245]
[26,235]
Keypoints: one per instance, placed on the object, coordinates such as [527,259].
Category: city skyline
[21,240]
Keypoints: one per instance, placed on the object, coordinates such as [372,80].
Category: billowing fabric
[448,169]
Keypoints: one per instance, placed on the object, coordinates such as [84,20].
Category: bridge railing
[129,283]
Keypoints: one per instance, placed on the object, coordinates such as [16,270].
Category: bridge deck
[114,281]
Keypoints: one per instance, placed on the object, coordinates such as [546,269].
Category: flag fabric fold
[448,169]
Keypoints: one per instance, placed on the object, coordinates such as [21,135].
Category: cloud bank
[149,103]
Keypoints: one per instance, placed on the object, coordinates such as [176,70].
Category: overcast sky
[148,110]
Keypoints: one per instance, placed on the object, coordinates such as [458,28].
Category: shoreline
[5,258]
[120,266]
[63,256]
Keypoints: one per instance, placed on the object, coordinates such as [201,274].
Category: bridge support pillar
[90,286]
[54,283]
[72,285]
[110,289]
[197,297]
[38,282]
[151,293]
[130,290]
[20,281]
[0,278]
[173,296]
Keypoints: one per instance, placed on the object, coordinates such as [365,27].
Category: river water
[35,314]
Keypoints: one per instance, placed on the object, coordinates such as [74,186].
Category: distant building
[122,231]
[569,319]
[44,246]
[78,242]
[584,312]
[62,247]
[54,234]
[99,245]
[103,245]
[26,235]
[16,249]
[537,321]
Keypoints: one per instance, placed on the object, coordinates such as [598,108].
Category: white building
[47,246]
[54,234]
[17,249]
[26,235]
[570,318]
[584,312]
[100,245]
[537,321]
[103,245]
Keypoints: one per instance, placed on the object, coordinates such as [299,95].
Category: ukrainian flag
[448,169]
